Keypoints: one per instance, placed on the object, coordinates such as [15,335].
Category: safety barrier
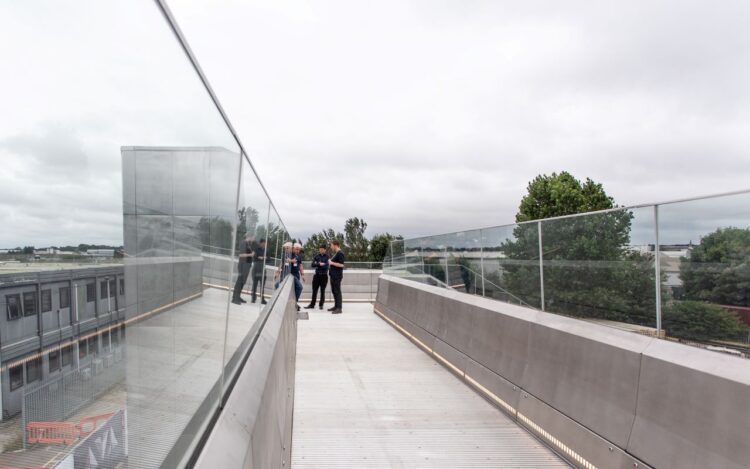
[64,433]
[600,396]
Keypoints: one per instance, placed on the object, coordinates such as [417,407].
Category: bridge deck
[366,397]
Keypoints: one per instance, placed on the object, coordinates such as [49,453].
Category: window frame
[48,293]
[31,296]
[57,357]
[91,292]
[122,287]
[66,352]
[37,362]
[19,308]
[66,303]
[15,384]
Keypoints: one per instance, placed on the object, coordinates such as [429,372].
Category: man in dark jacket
[258,271]
[336,272]
[246,254]
[320,279]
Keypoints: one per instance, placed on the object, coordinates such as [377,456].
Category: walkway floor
[366,397]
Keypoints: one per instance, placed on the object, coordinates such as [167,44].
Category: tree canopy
[354,241]
[718,269]
[589,268]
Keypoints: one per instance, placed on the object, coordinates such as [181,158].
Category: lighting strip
[495,398]
[109,328]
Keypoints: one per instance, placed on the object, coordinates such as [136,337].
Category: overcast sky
[419,116]
[431,116]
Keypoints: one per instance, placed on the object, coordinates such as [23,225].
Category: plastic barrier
[63,433]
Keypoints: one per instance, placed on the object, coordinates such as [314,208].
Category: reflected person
[246,254]
[297,270]
[284,268]
[320,279]
[258,271]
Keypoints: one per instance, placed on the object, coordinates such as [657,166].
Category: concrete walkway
[366,397]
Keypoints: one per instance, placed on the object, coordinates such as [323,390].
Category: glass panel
[599,267]
[510,263]
[249,262]
[463,261]
[135,178]
[704,256]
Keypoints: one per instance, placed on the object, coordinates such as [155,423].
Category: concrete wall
[601,397]
[254,429]
[358,285]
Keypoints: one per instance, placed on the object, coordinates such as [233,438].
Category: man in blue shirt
[320,279]
[336,272]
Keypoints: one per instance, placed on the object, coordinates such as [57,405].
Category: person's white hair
[288,244]
[297,245]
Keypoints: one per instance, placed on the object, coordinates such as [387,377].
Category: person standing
[336,272]
[258,271]
[320,279]
[297,270]
[246,254]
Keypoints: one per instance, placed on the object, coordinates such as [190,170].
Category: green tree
[718,269]
[355,240]
[379,245]
[693,320]
[323,237]
[589,270]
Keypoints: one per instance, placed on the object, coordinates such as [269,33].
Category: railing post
[481,258]
[657,270]
[541,263]
[447,278]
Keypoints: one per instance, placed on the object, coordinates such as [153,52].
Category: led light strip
[70,342]
[495,398]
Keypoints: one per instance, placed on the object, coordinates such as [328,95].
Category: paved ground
[366,397]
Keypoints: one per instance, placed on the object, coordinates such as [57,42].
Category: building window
[93,344]
[33,370]
[16,377]
[29,303]
[112,288]
[54,361]
[82,352]
[46,300]
[102,289]
[67,355]
[90,292]
[13,306]
[122,287]
[115,337]
[64,297]
[105,341]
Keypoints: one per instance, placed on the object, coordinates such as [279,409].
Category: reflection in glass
[704,255]
[594,268]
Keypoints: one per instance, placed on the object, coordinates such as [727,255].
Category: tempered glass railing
[113,142]
[603,267]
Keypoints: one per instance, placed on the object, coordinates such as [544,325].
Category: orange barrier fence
[63,433]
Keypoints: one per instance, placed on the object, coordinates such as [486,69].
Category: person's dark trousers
[320,281]
[244,269]
[336,290]
[258,279]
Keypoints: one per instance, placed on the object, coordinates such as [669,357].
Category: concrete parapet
[600,396]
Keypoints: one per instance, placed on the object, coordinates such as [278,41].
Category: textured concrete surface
[367,397]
